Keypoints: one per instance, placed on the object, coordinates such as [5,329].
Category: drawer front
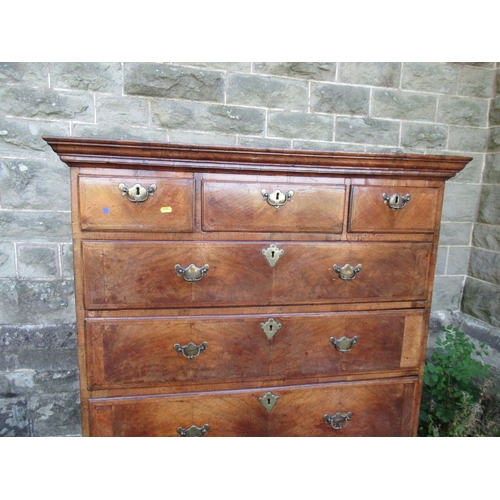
[172,351]
[123,274]
[108,204]
[380,408]
[236,206]
[371,211]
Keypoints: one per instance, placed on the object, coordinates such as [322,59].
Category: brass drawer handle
[396,201]
[344,344]
[191,273]
[347,272]
[339,420]
[193,431]
[137,193]
[191,350]
[277,198]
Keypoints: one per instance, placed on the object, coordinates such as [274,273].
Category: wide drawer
[263,207]
[112,204]
[124,353]
[382,408]
[389,209]
[125,274]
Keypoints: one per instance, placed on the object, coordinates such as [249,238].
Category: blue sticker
[105,210]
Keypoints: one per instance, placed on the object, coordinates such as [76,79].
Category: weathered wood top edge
[84,151]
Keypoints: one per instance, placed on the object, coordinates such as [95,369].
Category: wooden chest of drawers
[239,292]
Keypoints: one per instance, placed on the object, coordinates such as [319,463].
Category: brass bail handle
[347,272]
[396,201]
[344,344]
[137,193]
[191,350]
[339,420]
[193,431]
[191,273]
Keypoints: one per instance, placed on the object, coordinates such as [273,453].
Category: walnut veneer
[245,292]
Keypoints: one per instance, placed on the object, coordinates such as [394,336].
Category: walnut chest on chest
[250,292]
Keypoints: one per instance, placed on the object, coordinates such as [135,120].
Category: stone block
[173,82]
[23,138]
[241,67]
[403,105]
[326,146]
[491,174]
[300,126]
[321,71]
[89,76]
[24,73]
[37,302]
[494,118]
[56,414]
[41,103]
[463,111]
[38,261]
[476,82]
[442,257]
[441,78]
[34,184]
[482,300]
[67,265]
[460,202]
[455,233]
[489,206]
[494,139]
[37,227]
[118,131]
[7,260]
[208,117]
[458,261]
[447,293]
[468,139]
[186,137]
[424,136]
[14,419]
[266,91]
[264,142]
[485,265]
[472,172]
[367,131]
[340,99]
[127,111]
[486,236]
[379,74]
[18,337]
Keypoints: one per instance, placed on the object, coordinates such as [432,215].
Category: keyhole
[268,401]
[396,199]
[137,191]
[277,196]
[272,254]
[270,328]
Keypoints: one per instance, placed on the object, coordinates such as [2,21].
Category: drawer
[371,212]
[287,207]
[125,274]
[382,408]
[108,204]
[123,353]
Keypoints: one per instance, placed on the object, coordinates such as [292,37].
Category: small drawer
[171,351]
[382,408]
[136,204]
[146,275]
[393,209]
[263,207]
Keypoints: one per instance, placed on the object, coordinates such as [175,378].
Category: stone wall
[481,297]
[439,108]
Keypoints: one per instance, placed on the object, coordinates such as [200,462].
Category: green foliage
[453,393]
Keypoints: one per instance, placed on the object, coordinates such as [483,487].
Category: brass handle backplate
[193,431]
[191,350]
[344,344]
[137,193]
[339,420]
[191,273]
[277,198]
[347,272]
[396,201]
